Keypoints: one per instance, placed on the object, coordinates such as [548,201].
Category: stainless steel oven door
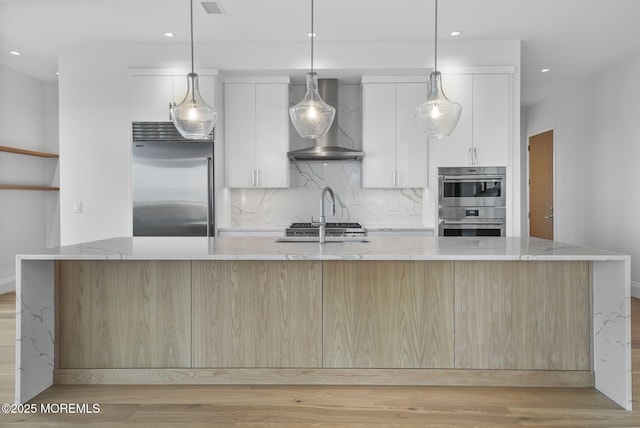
[473,213]
[472,227]
[471,190]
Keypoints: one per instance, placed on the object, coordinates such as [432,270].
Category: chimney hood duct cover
[326,148]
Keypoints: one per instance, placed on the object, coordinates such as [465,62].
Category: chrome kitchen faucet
[322,221]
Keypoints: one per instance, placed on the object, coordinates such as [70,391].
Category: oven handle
[472,177]
[498,223]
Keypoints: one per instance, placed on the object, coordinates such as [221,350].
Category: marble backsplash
[266,208]
[252,208]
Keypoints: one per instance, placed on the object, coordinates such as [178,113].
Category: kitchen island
[391,311]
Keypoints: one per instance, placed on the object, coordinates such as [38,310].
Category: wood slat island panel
[388,314]
[124,314]
[523,315]
[257,314]
[303,313]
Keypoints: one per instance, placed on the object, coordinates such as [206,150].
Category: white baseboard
[9,284]
[635,289]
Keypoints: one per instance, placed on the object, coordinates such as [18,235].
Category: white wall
[94,120]
[28,220]
[597,150]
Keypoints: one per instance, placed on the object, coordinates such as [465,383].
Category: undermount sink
[328,239]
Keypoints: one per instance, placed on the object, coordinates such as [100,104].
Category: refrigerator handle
[210,211]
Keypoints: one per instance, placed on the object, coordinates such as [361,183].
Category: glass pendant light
[312,117]
[437,116]
[193,117]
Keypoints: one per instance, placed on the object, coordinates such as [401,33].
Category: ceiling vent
[213,7]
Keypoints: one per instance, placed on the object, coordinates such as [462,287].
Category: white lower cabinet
[482,135]
[256,134]
[395,147]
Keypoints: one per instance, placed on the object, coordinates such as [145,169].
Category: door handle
[550,217]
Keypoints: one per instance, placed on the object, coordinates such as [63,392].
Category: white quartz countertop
[378,248]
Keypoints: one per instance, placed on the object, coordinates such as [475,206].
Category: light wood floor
[345,406]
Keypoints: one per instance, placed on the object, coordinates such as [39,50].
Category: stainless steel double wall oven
[472,201]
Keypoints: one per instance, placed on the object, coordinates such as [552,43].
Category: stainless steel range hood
[327,148]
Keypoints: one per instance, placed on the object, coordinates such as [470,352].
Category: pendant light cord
[191,8]
[435,61]
[312,35]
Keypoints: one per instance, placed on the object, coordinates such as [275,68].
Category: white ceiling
[574,38]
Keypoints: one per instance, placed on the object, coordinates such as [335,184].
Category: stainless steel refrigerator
[172,182]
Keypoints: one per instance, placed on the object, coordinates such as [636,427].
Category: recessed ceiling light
[455,33]
[545,70]
[312,34]
[16,53]
[168,34]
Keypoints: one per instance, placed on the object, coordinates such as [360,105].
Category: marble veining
[34,328]
[378,248]
[611,286]
[612,330]
[371,207]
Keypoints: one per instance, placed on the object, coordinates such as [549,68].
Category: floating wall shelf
[27,153]
[26,187]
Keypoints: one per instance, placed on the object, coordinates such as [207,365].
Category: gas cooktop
[343,225]
[331,229]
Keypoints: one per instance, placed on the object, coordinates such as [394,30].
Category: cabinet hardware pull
[472,177]
[209,195]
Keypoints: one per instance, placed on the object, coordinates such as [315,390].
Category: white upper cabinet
[151,94]
[379,135]
[455,149]
[395,148]
[240,134]
[411,143]
[150,98]
[206,84]
[272,132]
[491,118]
[256,134]
[483,133]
